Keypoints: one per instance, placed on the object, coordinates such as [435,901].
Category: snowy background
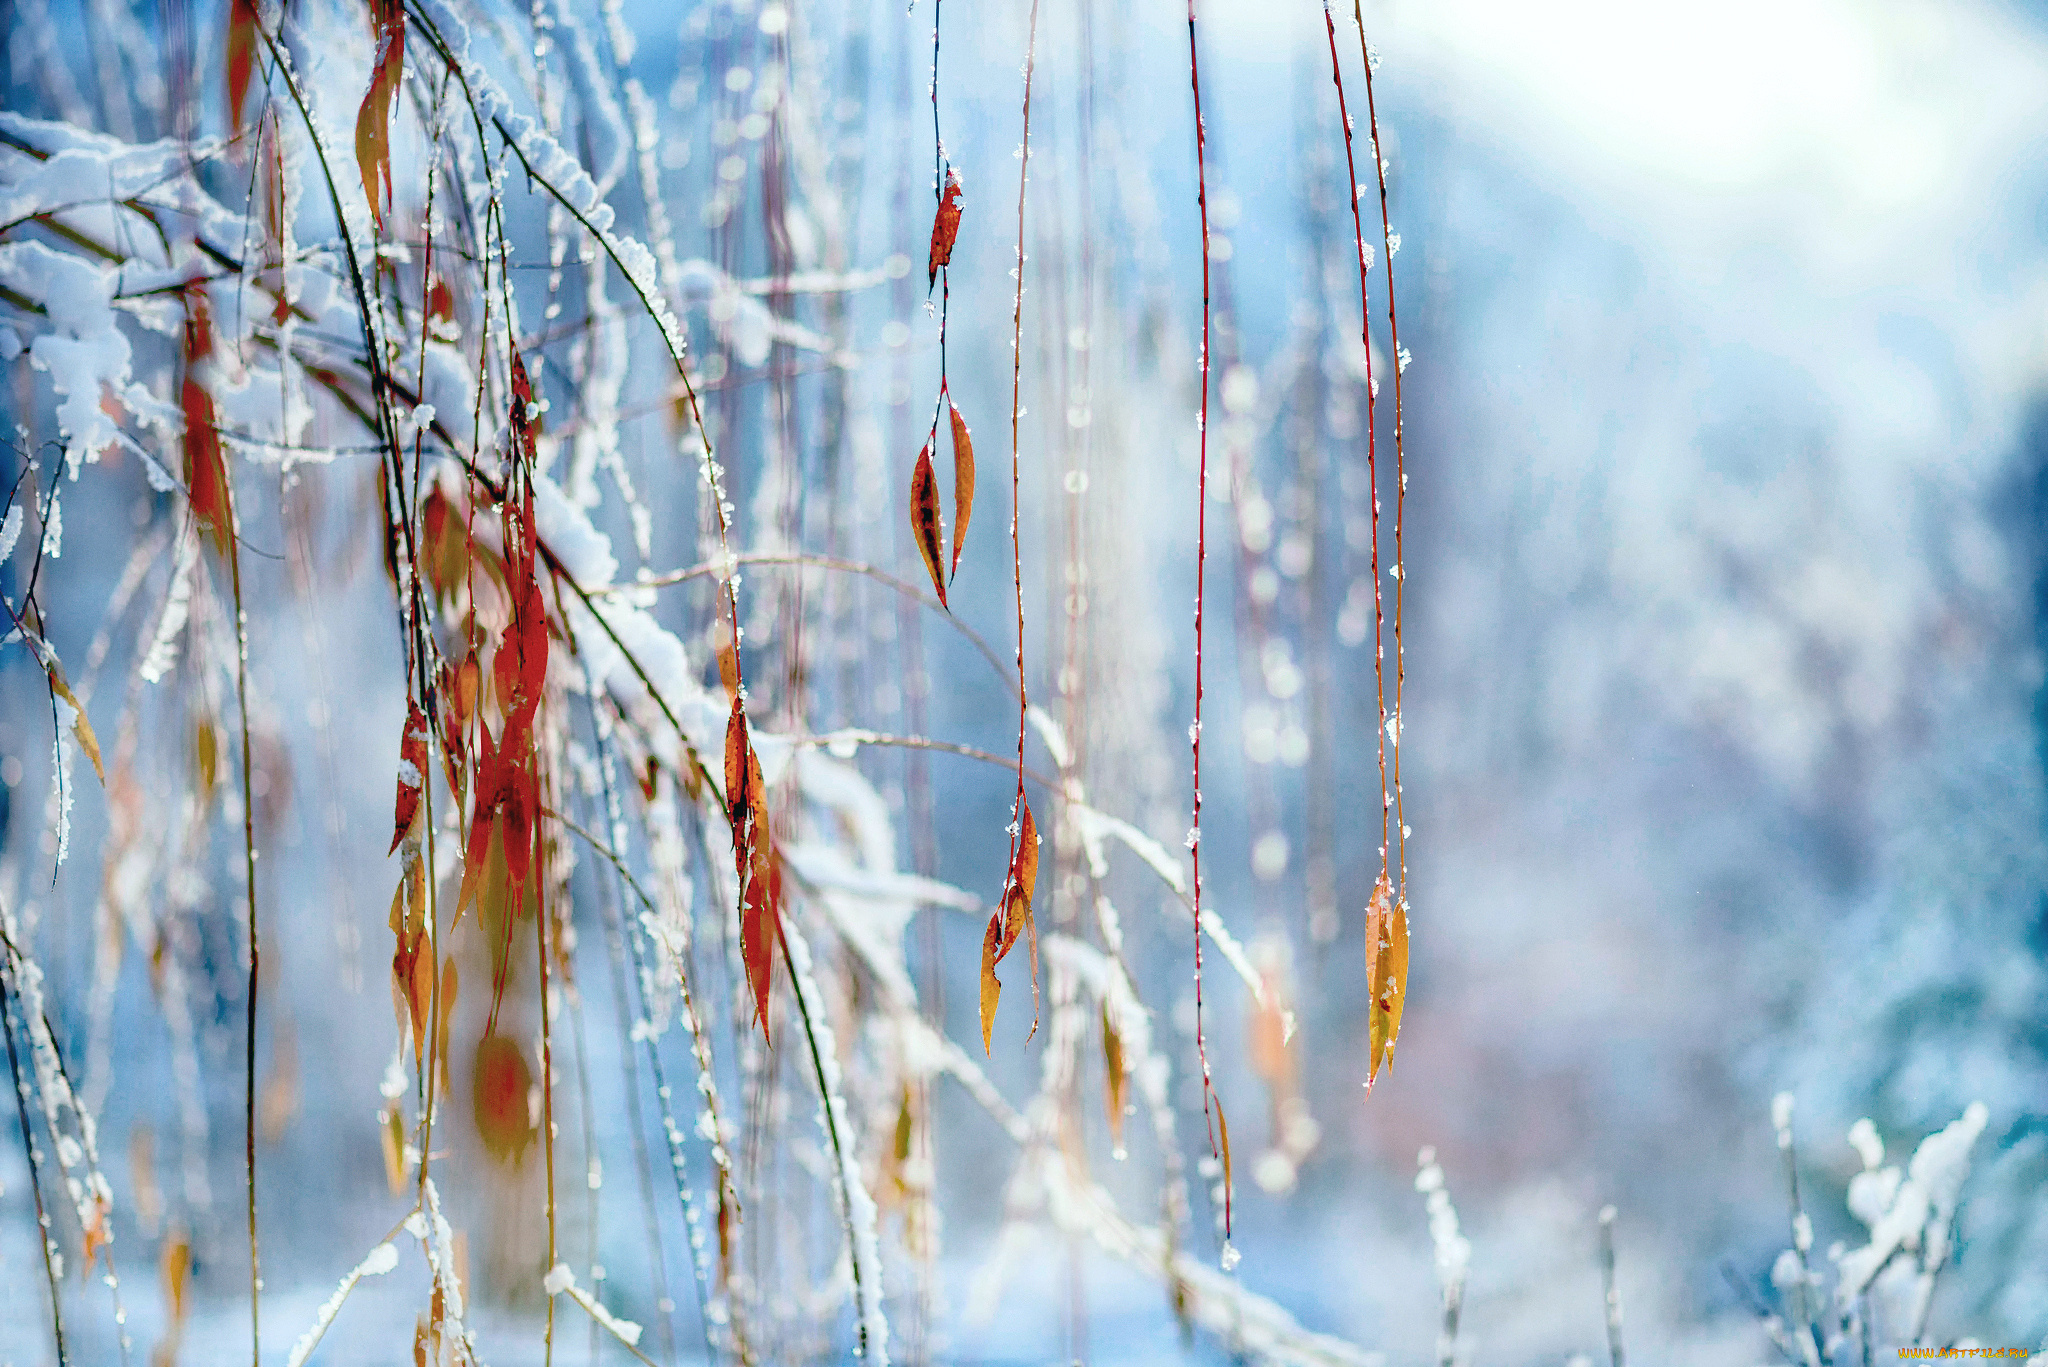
[1728,439]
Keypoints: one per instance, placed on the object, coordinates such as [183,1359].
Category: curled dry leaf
[498,1094]
[373,120]
[963,483]
[412,773]
[1012,919]
[945,227]
[924,520]
[81,726]
[1386,971]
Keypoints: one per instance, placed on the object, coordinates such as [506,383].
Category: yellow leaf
[81,726]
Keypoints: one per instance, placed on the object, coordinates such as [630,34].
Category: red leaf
[241,57]
[924,519]
[946,226]
[206,473]
[754,860]
[963,483]
[373,120]
[412,774]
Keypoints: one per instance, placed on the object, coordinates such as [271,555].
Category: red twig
[1371,422]
[1201,564]
[1016,509]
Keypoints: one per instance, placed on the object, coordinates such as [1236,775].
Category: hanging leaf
[1223,1129]
[241,57]
[449,984]
[81,726]
[498,1091]
[206,754]
[1386,971]
[924,519]
[206,474]
[412,773]
[1012,919]
[1113,1072]
[945,227]
[373,120]
[963,483]
[754,860]
[991,986]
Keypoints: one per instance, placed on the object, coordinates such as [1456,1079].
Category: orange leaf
[963,482]
[924,519]
[174,1266]
[241,57]
[498,1095]
[1113,1071]
[449,984]
[412,773]
[1386,971]
[373,120]
[991,986]
[945,227]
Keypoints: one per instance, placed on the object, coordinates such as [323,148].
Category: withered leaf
[241,50]
[1011,921]
[206,473]
[991,986]
[754,860]
[924,519]
[945,227]
[1113,1072]
[373,119]
[81,725]
[963,483]
[206,751]
[412,774]
[1223,1130]
[1386,970]
[449,983]
[498,1095]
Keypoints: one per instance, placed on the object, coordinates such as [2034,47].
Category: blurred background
[1726,544]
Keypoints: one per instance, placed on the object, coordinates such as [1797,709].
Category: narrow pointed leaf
[81,725]
[241,48]
[963,484]
[412,774]
[1113,1071]
[1386,972]
[924,519]
[206,473]
[373,119]
[991,986]
[1223,1130]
